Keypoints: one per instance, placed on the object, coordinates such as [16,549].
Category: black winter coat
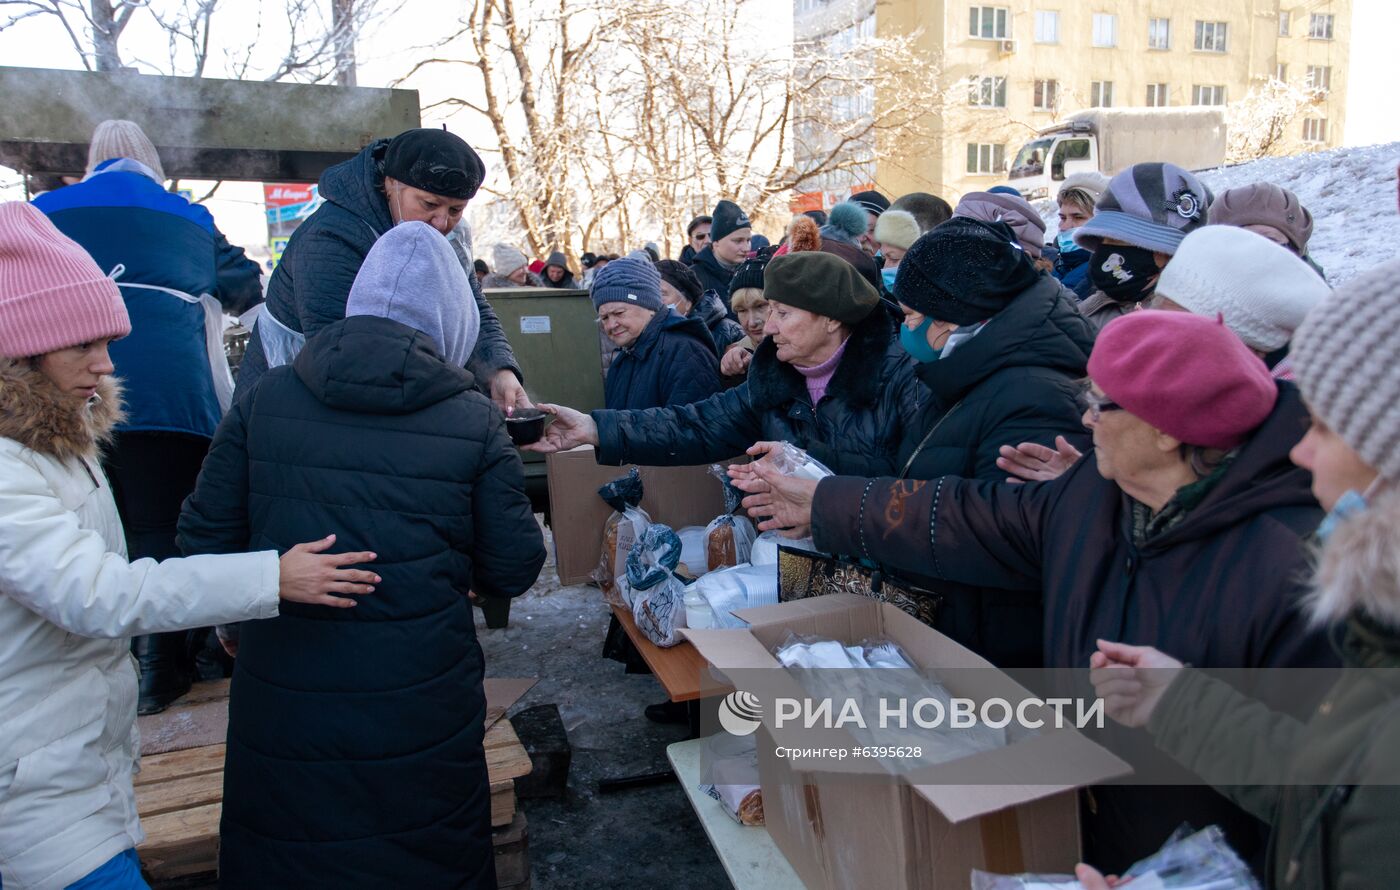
[311,283]
[872,408]
[1014,382]
[724,330]
[673,362]
[1220,589]
[355,752]
[712,275]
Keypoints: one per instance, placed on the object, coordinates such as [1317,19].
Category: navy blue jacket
[724,330]
[712,275]
[355,752]
[1072,269]
[311,283]
[128,219]
[673,362]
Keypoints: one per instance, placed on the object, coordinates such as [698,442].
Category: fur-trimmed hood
[1359,566]
[775,384]
[41,418]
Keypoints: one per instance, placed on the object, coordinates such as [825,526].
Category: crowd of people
[1158,440]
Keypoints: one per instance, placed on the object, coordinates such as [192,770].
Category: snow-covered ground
[1351,193]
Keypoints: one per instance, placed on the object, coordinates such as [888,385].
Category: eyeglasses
[1096,404]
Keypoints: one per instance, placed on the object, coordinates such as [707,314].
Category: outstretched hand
[570,429]
[1029,462]
[781,503]
[1131,680]
[306,574]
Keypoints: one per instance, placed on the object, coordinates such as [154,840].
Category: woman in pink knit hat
[69,598]
[1184,527]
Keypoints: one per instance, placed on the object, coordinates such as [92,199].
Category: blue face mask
[1065,241]
[1348,505]
[915,342]
[888,275]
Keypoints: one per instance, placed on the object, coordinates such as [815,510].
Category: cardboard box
[676,496]
[881,831]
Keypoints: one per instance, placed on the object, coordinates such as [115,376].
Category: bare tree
[1260,124]
[94,29]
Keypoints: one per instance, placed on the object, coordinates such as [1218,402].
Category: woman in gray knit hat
[1327,787]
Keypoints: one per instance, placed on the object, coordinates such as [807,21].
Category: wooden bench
[179,796]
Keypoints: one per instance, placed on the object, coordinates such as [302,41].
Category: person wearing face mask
[1136,227]
[718,260]
[1327,786]
[897,230]
[1000,350]
[680,290]
[1185,527]
[424,175]
[1076,199]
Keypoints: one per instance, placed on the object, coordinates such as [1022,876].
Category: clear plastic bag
[693,545]
[740,587]
[793,461]
[657,592]
[620,532]
[1200,860]
[729,542]
[732,764]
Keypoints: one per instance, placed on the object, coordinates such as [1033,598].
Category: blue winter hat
[412,276]
[1005,190]
[632,279]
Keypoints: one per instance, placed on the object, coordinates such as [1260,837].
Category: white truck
[1111,139]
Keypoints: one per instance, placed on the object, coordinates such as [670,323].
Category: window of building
[1105,29]
[1047,95]
[985,158]
[1157,95]
[990,23]
[987,92]
[1320,26]
[1101,94]
[1283,23]
[1315,129]
[1319,77]
[1281,73]
[1159,33]
[1210,36]
[1208,94]
[1047,26]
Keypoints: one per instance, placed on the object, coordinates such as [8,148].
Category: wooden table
[750,858]
[680,669]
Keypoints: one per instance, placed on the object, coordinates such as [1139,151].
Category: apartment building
[1015,66]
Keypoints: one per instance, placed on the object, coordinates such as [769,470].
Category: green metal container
[555,337]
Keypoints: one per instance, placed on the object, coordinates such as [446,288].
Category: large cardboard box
[842,832]
[676,496]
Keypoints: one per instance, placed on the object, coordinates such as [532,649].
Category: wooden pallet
[179,796]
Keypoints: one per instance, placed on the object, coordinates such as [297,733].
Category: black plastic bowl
[526,425]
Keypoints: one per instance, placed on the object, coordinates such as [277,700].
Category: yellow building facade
[1016,66]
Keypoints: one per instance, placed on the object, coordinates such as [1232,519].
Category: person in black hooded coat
[1010,367]
[355,744]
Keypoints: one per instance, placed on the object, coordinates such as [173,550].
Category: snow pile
[1351,193]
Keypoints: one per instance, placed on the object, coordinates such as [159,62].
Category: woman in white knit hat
[69,599]
[1329,788]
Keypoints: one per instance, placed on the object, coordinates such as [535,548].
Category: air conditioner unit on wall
[1008,46]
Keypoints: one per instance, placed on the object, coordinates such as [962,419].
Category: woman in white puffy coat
[69,599]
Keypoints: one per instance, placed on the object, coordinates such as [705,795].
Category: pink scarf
[819,376]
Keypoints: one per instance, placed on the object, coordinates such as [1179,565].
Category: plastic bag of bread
[728,541]
[729,766]
[623,528]
[728,537]
[656,590]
